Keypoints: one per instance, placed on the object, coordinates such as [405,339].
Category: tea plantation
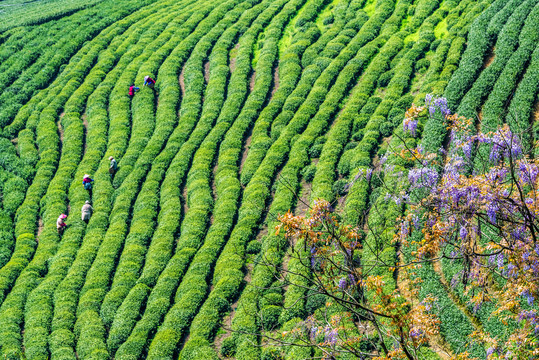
[259,106]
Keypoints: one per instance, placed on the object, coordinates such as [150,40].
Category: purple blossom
[383,159]
[441,103]
[512,270]
[330,335]
[432,110]
[500,260]
[494,154]
[516,149]
[342,283]
[314,331]
[368,174]
[490,351]
[410,125]
[467,149]
[415,333]
[404,228]
[528,315]
[491,212]
[528,173]
[463,232]
[415,219]
[428,99]
[518,233]
[423,177]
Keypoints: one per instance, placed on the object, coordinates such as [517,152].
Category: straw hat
[86,176]
[110,158]
[63,216]
[146,77]
[87,202]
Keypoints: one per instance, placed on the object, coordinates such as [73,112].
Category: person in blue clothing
[113,166]
[149,82]
[87,182]
[132,90]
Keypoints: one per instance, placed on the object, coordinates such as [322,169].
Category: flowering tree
[475,201]
[482,209]
[362,316]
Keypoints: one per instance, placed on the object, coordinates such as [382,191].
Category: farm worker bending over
[148,81]
[87,182]
[86,211]
[113,165]
[133,89]
[60,224]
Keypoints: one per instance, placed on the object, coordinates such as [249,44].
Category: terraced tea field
[260,106]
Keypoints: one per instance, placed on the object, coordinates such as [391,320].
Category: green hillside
[259,106]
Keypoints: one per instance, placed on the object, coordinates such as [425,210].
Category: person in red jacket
[60,224]
[149,82]
[87,182]
[133,89]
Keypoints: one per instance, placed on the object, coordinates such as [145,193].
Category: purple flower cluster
[500,261]
[529,297]
[438,103]
[363,173]
[492,208]
[530,315]
[415,333]
[441,103]
[528,173]
[504,144]
[463,232]
[410,125]
[423,178]
[313,333]
[404,229]
[330,335]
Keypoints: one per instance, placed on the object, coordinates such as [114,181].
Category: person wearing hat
[60,224]
[113,165]
[86,211]
[87,182]
[149,82]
